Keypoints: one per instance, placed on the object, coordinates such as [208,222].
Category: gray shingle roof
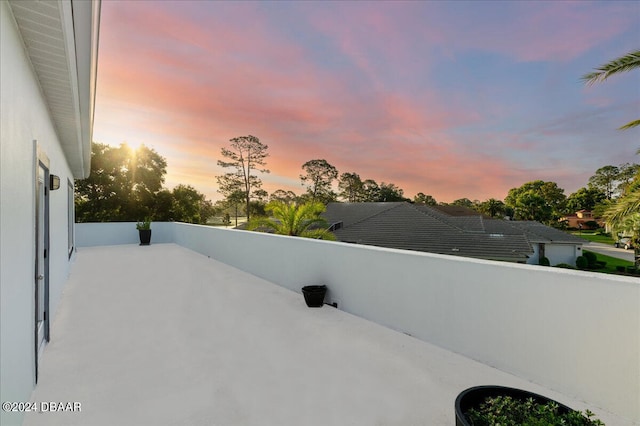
[539,233]
[350,213]
[409,227]
[426,228]
[469,222]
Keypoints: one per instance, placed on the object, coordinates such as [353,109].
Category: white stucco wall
[24,118]
[573,331]
[534,259]
[556,253]
[563,253]
[115,233]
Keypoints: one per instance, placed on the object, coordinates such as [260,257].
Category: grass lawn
[596,238]
[612,262]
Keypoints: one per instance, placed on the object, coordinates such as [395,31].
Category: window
[70,216]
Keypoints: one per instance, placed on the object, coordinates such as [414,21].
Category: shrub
[144,225]
[505,410]
[544,261]
[582,262]
[565,266]
[591,224]
[620,268]
[600,264]
[591,259]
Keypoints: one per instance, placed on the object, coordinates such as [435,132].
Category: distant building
[584,218]
[457,232]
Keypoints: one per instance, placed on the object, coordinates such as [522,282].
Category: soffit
[49,35]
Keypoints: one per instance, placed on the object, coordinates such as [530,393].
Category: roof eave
[85,21]
[70,30]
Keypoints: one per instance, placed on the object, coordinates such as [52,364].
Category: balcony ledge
[162,335]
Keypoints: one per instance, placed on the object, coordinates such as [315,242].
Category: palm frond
[319,234]
[622,64]
[295,220]
[619,213]
[631,124]
[261,222]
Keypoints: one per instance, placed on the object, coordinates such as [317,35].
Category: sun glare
[134,145]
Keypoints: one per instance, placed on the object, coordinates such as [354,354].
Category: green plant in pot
[144,231]
[499,405]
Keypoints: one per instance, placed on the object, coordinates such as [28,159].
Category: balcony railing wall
[573,331]
[115,233]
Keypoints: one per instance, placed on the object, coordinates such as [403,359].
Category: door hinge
[45,315]
[45,253]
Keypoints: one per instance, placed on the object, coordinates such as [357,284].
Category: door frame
[41,160]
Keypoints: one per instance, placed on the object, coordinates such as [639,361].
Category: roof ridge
[527,229]
[391,207]
[532,226]
[428,211]
[484,229]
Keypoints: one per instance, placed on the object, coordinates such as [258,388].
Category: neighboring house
[408,226]
[554,244]
[47,79]
[581,217]
[462,233]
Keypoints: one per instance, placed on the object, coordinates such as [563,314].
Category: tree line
[536,200]
[246,155]
[126,185]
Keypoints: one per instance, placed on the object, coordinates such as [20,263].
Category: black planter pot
[314,295]
[475,396]
[145,236]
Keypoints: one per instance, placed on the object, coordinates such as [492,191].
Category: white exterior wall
[563,253]
[115,233]
[556,253]
[573,331]
[24,118]
[534,259]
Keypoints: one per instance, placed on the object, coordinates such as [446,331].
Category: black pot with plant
[314,295]
[500,405]
[144,231]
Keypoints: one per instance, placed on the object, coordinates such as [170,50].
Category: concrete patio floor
[161,335]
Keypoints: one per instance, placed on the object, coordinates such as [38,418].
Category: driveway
[609,250]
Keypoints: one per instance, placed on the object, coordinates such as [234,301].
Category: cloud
[531,31]
[362,85]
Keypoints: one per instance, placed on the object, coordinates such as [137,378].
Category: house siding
[563,253]
[556,253]
[25,118]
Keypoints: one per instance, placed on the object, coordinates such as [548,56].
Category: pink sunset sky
[453,99]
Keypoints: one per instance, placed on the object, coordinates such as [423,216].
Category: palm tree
[302,220]
[624,216]
[492,207]
[622,64]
